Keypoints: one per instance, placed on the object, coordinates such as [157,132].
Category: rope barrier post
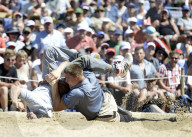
[182,81]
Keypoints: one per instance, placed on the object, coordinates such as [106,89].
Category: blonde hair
[9,52]
[74,70]
[21,53]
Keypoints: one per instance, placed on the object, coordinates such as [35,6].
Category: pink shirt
[77,43]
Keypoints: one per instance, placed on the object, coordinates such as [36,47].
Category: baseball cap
[90,30]
[151,44]
[19,14]
[69,30]
[186,8]
[100,8]
[125,45]
[85,7]
[11,44]
[82,26]
[118,58]
[128,31]
[106,20]
[165,11]
[132,19]
[78,10]
[141,1]
[131,5]
[111,50]
[47,19]
[150,30]
[118,31]
[105,44]
[179,51]
[100,33]
[30,23]
[60,25]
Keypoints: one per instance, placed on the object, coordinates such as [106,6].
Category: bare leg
[15,92]
[4,97]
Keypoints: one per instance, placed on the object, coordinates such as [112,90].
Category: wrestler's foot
[31,115]
[125,65]
[15,92]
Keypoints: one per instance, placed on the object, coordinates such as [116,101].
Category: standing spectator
[149,55]
[173,72]
[141,68]
[7,69]
[48,37]
[81,39]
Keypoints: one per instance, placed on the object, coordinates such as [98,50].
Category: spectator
[22,68]
[98,17]
[186,46]
[149,55]
[125,48]
[81,40]
[184,23]
[13,34]
[116,85]
[88,50]
[79,17]
[161,55]
[141,12]
[103,51]
[130,37]
[68,33]
[168,27]
[117,41]
[173,72]
[60,27]
[86,14]
[181,56]
[110,55]
[141,68]
[100,39]
[69,17]
[121,7]
[111,12]
[154,13]
[7,69]
[28,48]
[132,22]
[48,37]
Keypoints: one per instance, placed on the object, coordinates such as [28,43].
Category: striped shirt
[165,70]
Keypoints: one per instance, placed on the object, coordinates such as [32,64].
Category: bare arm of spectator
[175,28]
[125,90]
[34,77]
[187,46]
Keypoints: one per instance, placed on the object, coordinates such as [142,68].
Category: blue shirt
[112,13]
[137,73]
[43,40]
[87,97]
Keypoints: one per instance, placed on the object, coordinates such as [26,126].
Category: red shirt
[76,43]
[2,43]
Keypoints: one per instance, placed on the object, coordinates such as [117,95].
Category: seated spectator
[100,39]
[110,55]
[125,48]
[60,27]
[141,12]
[31,24]
[118,88]
[13,34]
[103,51]
[22,68]
[149,55]
[181,56]
[117,40]
[86,14]
[141,68]
[161,55]
[132,22]
[173,72]
[68,33]
[81,39]
[11,45]
[184,23]
[167,27]
[7,69]
[88,50]
[186,46]
[97,19]
[69,17]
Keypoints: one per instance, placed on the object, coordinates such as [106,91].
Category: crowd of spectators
[158,33]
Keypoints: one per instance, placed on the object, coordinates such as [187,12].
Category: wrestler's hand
[54,75]
[31,115]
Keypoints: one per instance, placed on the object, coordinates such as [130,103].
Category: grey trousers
[54,54]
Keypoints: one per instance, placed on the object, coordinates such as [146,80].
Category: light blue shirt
[137,73]
[112,13]
[87,97]
[43,40]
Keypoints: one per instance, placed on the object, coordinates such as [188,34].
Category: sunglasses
[173,58]
[26,33]
[88,50]
[14,33]
[101,37]
[12,60]
[100,11]
[104,48]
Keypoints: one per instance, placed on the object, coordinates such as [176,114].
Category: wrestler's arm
[57,101]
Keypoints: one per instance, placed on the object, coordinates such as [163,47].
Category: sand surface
[72,124]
